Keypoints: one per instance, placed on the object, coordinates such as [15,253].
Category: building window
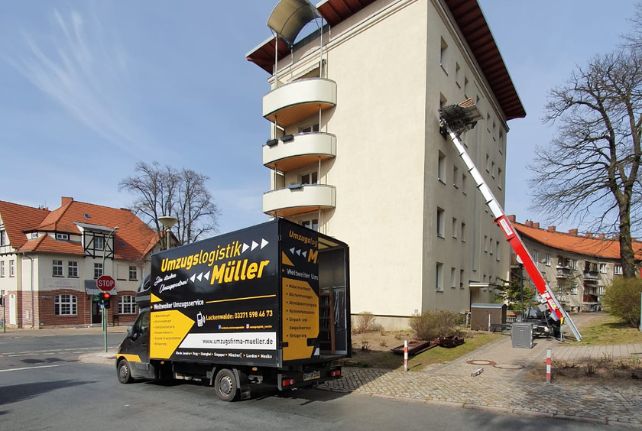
[309,129]
[463,183]
[492,169]
[57,268]
[443,54]
[311,224]
[487,163]
[439,277]
[455,227]
[133,273]
[440,222]
[12,268]
[3,238]
[33,235]
[457,73]
[617,269]
[127,305]
[501,140]
[453,277]
[441,167]
[485,243]
[572,263]
[72,269]
[499,177]
[310,178]
[465,87]
[497,250]
[461,278]
[62,236]
[1,268]
[463,232]
[98,270]
[99,243]
[602,268]
[455,177]
[547,259]
[65,305]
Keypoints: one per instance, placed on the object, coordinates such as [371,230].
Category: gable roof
[18,218]
[471,22]
[133,238]
[587,246]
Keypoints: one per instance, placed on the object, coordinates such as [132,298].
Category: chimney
[65,200]
[512,218]
[536,225]
[572,232]
[551,229]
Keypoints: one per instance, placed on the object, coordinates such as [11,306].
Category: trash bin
[522,335]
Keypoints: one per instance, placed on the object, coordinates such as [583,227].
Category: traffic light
[104,299]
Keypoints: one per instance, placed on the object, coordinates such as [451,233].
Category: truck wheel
[124,371]
[225,385]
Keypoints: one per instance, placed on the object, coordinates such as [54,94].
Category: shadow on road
[24,391]
[46,360]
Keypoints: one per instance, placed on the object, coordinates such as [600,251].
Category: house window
[497,250]
[72,269]
[617,269]
[501,141]
[310,178]
[99,243]
[463,232]
[3,238]
[461,278]
[547,259]
[439,282]
[133,273]
[441,167]
[465,87]
[440,222]
[463,183]
[492,169]
[499,177]
[453,277]
[33,235]
[57,268]
[602,268]
[127,305]
[65,305]
[457,73]
[62,236]
[487,163]
[98,270]
[311,224]
[12,268]
[309,129]
[455,176]
[454,227]
[443,54]
[1,268]
[485,243]
[572,263]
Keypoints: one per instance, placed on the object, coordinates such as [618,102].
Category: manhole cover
[481,362]
[508,366]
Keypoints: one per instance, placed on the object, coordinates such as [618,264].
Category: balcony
[591,276]
[298,100]
[299,199]
[564,272]
[299,150]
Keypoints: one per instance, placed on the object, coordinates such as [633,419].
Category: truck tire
[124,371]
[226,385]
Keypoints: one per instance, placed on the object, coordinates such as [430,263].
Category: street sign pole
[104,327]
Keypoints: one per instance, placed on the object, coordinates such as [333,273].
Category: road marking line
[28,368]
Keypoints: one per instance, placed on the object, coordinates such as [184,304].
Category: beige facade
[373,169]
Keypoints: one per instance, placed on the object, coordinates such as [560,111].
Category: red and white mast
[456,119]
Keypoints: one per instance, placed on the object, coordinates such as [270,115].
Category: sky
[90,88]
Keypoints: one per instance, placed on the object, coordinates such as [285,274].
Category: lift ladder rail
[545,292]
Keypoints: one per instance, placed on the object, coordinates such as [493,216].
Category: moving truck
[267,304]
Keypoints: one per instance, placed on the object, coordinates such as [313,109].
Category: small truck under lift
[267,304]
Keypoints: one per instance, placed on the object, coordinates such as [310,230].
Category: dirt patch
[605,370]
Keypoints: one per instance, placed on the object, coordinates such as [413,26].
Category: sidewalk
[80,330]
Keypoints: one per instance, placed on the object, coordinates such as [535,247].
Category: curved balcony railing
[295,151]
[298,100]
[299,199]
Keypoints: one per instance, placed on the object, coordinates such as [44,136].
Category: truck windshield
[142,323]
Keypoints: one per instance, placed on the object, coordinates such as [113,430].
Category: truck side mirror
[129,331]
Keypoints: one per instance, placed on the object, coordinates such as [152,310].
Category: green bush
[433,324]
[622,299]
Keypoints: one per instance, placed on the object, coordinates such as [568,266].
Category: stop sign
[105,283]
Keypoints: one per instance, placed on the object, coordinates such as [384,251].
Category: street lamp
[168,222]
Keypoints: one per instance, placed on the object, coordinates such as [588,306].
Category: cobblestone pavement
[570,353]
[503,385]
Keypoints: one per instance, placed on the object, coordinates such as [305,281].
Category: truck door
[135,347]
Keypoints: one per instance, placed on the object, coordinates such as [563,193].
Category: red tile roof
[133,238]
[469,19]
[587,246]
[18,218]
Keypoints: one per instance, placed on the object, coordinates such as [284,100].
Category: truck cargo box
[271,295]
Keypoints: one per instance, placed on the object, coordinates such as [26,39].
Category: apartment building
[578,268]
[354,148]
[50,260]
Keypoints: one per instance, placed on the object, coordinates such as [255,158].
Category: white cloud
[84,70]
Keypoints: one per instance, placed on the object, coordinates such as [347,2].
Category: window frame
[135,272]
[102,269]
[12,268]
[72,264]
[127,302]
[440,222]
[439,277]
[57,268]
[70,301]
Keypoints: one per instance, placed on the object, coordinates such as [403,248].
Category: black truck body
[265,304]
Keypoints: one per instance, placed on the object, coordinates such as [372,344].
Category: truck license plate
[312,375]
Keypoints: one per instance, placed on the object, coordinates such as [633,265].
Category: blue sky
[89,88]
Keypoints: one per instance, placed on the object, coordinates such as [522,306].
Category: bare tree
[591,169]
[163,190]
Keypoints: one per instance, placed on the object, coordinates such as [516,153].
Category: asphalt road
[44,387]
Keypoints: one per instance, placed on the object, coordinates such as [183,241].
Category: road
[43,386]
